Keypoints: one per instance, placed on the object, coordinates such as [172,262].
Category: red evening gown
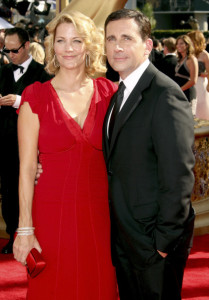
[70,206]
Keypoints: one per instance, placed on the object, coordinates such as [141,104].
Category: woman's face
[181,46]
[69,47]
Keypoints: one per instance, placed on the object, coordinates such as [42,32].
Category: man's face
[125,48]
[12,42]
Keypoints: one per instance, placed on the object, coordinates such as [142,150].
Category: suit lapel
[105,136]
[131,104]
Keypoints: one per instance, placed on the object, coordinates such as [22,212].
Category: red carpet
[13,279]
[196,276]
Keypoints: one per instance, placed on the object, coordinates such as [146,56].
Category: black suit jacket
[156,57]
[149,164]
[8,116]
[168,65]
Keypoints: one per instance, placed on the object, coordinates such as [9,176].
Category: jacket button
[109,172]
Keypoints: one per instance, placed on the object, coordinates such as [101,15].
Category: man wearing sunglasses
[14,77]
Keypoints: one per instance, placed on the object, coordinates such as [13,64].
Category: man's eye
[109,39]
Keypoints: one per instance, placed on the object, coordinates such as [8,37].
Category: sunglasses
[13,50]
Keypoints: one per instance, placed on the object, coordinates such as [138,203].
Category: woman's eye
[77,41]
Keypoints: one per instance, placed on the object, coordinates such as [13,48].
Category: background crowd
[184,59]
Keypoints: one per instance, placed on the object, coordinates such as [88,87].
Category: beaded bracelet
[25,230]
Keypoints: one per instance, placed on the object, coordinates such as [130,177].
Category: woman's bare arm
[28,130]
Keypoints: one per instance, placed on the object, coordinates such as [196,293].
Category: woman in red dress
[62,120]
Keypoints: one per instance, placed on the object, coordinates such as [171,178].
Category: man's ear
[149,45]
[27,45]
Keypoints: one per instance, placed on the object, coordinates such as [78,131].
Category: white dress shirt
[17,74]
[130,83]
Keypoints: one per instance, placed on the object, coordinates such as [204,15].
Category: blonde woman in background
[202,85]
[63,119]
[37,52]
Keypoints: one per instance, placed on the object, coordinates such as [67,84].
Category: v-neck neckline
[89,120]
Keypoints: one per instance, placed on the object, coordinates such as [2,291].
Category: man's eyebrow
[123,36]
[110,36]
[126,36]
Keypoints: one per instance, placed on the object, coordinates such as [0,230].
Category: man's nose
[11,55]
[118,47]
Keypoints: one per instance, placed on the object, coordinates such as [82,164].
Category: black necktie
[15,67]
[116,109]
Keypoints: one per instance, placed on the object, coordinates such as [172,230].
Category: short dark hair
[141,20]
[22,34]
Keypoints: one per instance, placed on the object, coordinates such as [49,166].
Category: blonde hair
[37,52]
[198,40]
[93,39]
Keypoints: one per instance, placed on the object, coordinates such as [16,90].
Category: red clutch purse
[35,263]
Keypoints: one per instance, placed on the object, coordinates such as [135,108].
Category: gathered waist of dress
[54,156]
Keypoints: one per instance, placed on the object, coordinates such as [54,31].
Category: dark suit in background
[9,161]
[168,65]
[156,57]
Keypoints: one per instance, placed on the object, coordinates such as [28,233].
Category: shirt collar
[26,63]
[131,80]
[171,53]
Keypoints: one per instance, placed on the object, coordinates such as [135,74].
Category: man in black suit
[148,152]
[169,61]
[156,55]
[14,77]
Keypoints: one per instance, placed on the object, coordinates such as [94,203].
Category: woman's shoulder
[34,95]
[104,90]
[192,60]
[204,55]
[36,87]
[105,85]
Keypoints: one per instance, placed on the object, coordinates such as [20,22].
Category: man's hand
[38,172]
[163,254]
[7,100]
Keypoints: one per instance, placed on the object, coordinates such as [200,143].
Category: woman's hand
[38,172]
[22,246]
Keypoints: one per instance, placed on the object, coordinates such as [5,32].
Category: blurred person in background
[169,61]
[3,57]
[156,54]
[14,77]
[187,69]
[202,85]
[37,52]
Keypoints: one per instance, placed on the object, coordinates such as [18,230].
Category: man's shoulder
[38,69]
[5,72]
[161,80]
[6,67]
[170,58]
[35,65]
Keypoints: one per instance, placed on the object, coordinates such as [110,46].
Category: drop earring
[87,60]
[56,63]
